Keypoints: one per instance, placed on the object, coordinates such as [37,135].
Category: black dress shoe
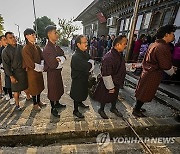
[143,110]
[78,114]
[102,114]
[138,113]
[177,118]
[58,105]
[54,112]
[116,112]
[83,106]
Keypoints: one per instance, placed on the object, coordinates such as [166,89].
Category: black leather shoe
[177,118]
[83,106]
[116,112]
[143,110]
[54,112]
[102,114]
[58,105]
[138,113]
[78,114]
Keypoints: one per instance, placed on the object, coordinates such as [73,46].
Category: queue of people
[23,67]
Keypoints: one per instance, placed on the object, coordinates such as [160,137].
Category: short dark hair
[8,33]
[1,37]
[142,36]
[163,30]
[78,39]
[135,35]
[118,39]
[28,31]
[48,29]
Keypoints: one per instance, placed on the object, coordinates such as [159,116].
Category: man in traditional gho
[33,63]
[157,60]
[7,88]
[113,73]
[13,67]
[81,66]
[54,58]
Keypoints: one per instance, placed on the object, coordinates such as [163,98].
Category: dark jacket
[79,73]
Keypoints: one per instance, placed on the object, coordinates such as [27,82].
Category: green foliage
[66,28]
[42,23]
[63,42]
[1,25]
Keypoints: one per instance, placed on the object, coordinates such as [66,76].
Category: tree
[1,25]
[42,23]
[67,28]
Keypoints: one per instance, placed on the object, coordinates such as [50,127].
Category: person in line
[157,60]
[113,73]
[7,88]
[13,67]
[81,66]
[34,65]
[54,58]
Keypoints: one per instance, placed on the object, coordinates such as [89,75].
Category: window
[122,25]
[127,24]
[139,21]
[177,21]
[167,17]
[147,20]
[156,20]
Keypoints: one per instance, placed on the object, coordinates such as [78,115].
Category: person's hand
[175,68]
[58,59]
[13,80]
[111,91]
[133,66]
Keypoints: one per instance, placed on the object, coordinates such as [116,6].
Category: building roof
[81,16]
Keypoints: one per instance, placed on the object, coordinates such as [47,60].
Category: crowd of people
[97,47]
[23,67]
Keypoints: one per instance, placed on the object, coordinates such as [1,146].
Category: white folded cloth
[39,68]
[42,62]
[2,70]
[59,65]
[108,82]
[170,71]
[92,63]
[62,58]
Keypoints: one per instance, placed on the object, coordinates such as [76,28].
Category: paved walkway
[28,126]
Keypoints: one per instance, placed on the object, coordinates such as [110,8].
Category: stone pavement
[41,128]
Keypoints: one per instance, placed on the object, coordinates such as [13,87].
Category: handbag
[93,81]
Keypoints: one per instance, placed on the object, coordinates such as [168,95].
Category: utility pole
[132,28]
[34,9]
[19,33]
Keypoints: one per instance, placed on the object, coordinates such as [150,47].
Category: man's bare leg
[28,96]
[16,97]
